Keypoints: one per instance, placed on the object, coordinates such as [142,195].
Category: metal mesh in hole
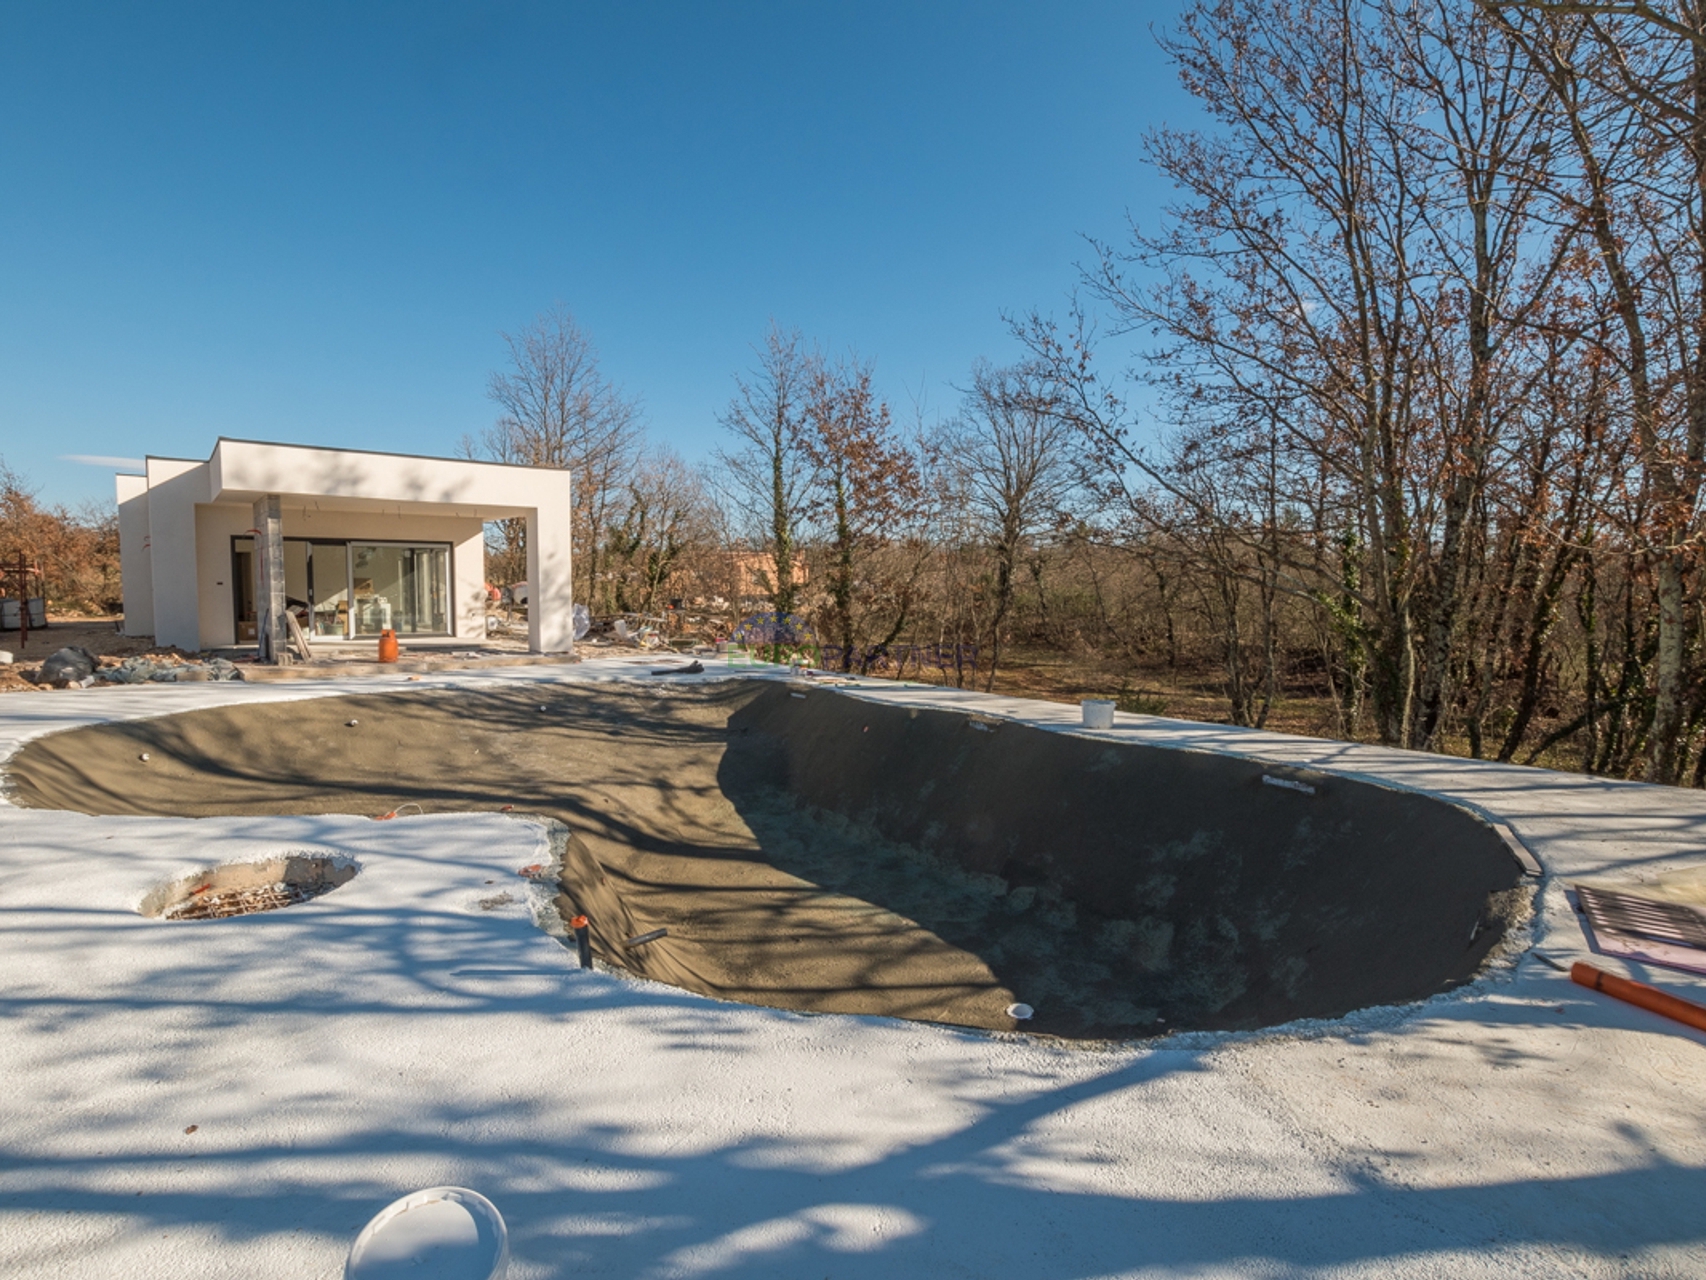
[243,888]
[240,902]
[1646,917]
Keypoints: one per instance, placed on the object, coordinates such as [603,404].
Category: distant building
[350,542]
[753,572]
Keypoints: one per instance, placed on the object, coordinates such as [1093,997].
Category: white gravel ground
[404,1031]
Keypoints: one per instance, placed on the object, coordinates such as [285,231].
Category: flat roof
[380,453]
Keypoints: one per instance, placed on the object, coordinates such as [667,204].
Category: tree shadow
[987,1197]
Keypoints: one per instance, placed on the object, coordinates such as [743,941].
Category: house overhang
[321,480]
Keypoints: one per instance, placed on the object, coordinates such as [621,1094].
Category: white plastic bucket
[1098,713]
[442,1233]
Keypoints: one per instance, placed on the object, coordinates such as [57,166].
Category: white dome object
[442,1233]
[1020,1012]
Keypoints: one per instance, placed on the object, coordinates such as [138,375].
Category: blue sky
[311,222]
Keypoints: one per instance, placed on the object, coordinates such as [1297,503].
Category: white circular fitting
[442,1233]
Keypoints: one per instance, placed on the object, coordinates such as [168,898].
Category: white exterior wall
[215,526]
[179,571]
[174,488]
[136,572]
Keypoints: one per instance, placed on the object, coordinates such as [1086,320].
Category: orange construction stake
[1640,994]
[583,940]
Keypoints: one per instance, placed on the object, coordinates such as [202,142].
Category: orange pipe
[1640,994]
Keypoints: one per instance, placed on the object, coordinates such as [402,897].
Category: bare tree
[1632,92]
[1333,292]
[557,409]
[864,501]
[765,476]
[667,523]
[1013,455]
[1681,21]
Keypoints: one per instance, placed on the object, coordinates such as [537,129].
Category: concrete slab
[409,1029]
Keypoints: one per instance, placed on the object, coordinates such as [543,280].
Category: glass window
[329,577]
[399,588]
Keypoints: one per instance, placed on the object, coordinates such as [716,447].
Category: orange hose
[1640,994]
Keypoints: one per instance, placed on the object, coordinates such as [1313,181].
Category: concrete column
[271,628]
[535,614]
[550,579]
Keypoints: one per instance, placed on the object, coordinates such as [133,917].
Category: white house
[351,542]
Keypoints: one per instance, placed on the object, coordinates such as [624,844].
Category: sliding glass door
[341,590]
[399,587]
[328,587]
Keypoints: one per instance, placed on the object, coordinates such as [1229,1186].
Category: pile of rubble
[76,668]
[143,669]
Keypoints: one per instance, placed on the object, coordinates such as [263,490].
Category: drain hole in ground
[243,888]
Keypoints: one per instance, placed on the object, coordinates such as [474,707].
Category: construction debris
[66,667]
[165,670]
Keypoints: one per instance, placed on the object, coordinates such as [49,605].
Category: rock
[143,670]
[71,665]
[130,671]
[5,657]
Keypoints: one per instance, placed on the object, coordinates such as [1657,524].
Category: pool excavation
[807,849]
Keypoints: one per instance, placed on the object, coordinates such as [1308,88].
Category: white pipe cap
[442,1233]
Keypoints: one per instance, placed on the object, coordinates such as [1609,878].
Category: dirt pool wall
[1215,898]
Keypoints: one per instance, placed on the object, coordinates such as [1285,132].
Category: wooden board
[297,637]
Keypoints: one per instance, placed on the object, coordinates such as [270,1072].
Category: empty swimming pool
[815,850]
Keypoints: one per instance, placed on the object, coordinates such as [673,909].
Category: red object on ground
[1640,994]
[387,646]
